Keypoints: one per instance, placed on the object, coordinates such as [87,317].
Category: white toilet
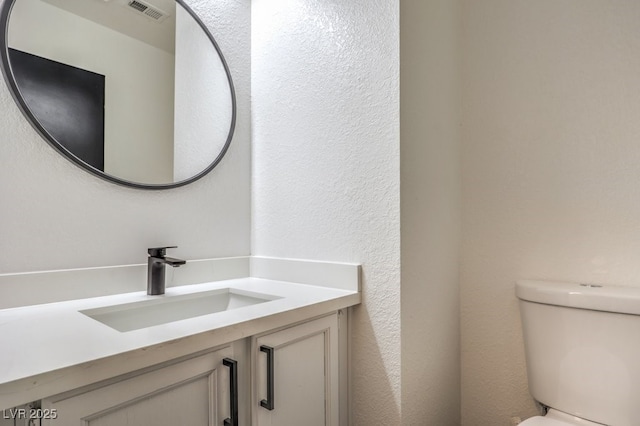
[582,345]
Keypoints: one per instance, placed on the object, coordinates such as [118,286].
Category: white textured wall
[430,205]
[551,172]
[326,165]
[55,215]
[203,107]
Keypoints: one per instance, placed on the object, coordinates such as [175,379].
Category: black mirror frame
[7,72]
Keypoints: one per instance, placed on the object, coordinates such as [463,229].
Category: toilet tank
[582,346]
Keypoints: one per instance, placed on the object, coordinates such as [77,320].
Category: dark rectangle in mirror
[67,101]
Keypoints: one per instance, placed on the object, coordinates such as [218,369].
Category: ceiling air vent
[148,10]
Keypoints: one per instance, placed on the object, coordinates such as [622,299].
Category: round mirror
[134,91]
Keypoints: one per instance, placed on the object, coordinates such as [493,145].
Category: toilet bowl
[582,352]
[557,418]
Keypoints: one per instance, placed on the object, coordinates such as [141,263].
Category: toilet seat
[543,421]
[558,418]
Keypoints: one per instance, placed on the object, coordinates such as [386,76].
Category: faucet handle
[159,251]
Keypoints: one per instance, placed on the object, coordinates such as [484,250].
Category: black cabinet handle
[233,388]
[269,403]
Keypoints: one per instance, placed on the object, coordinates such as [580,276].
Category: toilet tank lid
[597,297]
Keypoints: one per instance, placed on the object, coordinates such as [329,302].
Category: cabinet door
[302,386]
[194,392]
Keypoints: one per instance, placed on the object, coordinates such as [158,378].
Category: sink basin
[166,309]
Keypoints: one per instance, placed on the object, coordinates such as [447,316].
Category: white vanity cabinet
[291,376]
[194,392]
[296,374]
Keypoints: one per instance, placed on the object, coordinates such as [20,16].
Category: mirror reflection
[135,91]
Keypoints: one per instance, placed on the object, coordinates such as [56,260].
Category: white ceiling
[119,16]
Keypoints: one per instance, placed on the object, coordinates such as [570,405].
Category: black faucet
[155,269]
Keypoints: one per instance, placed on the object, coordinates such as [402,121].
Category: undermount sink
[166,309]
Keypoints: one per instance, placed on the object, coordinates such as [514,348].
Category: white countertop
[53,348]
